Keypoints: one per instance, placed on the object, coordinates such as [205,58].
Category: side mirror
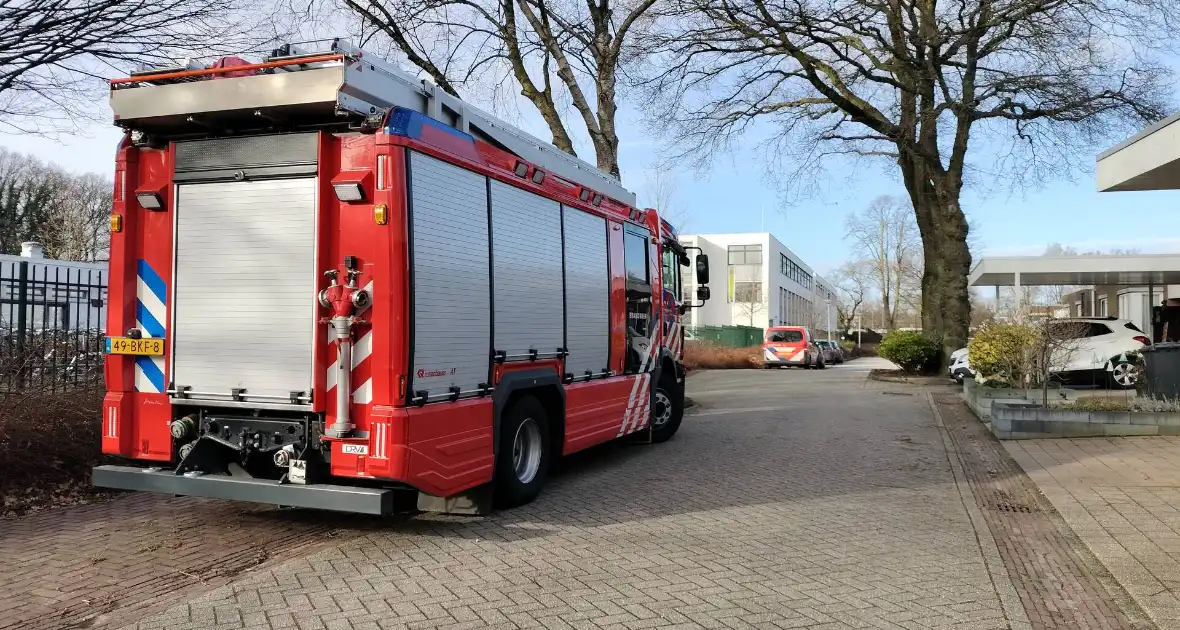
[703,292]
[702,269]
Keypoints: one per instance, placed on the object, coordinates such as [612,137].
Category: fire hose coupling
[344,300]
[284,455]
[182,428]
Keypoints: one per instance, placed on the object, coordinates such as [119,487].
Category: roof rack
[305,86]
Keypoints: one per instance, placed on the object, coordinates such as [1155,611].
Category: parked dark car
[833,353]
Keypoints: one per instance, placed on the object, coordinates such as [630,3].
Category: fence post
[22,322]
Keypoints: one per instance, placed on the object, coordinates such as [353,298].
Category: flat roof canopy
[1137,270]
[1148,161]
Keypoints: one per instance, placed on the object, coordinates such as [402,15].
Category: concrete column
[1019,315]
[1151,310]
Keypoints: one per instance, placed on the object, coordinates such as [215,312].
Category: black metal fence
[52,318]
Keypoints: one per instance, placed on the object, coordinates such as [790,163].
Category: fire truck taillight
[116,223]
[381,214]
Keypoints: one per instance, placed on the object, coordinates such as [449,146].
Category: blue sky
[736,195]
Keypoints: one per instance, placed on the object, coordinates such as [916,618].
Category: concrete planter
[980,398]
[1027,420]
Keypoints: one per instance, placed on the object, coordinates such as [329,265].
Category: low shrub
[702,355]
[910,350]
[1003,353]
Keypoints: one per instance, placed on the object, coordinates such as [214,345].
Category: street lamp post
[829,303]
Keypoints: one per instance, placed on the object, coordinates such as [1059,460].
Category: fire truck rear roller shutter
[452,319]
[244,307]
[587,286]
[526,255]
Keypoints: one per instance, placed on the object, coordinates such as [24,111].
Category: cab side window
[639,302]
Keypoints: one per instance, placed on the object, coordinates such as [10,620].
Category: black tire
[820,364]
[669,400]
[767,366]
[515,488]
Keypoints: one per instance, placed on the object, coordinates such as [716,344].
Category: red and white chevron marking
[673,341]
[638,405]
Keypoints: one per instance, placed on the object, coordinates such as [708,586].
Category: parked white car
[1096,346]
[960,367]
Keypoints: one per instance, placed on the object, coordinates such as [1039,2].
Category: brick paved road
[789,499]
[104,564]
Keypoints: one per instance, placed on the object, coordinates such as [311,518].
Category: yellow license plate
[123,345]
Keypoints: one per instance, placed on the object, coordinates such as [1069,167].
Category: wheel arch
[542,384]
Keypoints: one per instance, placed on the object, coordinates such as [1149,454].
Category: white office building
[756,281]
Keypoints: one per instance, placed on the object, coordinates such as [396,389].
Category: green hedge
[910,350]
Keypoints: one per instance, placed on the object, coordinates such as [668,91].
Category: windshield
[785,336]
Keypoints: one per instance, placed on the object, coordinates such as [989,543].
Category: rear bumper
[777,361]
[352,499]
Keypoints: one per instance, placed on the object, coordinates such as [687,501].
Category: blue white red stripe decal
[151,317]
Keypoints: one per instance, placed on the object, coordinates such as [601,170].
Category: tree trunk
[946,304]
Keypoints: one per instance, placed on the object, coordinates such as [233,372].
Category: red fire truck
[335,286]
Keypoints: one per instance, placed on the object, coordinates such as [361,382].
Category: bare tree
[78,226]
[853,287]
[659,192]
[583,44]
[1056,342]
[982,311]
[916,83]
[885,236]
[751,308]
[67,213]
[54,53]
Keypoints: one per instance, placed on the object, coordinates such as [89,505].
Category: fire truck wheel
[522,462]
[668,410]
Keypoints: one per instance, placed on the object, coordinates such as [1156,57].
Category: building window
[792,270]
[747,292]
[745,254]
[745,273]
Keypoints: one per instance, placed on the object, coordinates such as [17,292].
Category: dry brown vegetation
[700,355]
[49,441]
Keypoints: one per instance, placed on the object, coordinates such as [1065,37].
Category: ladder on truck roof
[308,86]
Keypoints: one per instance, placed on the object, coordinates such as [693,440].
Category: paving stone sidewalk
[1122,498]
